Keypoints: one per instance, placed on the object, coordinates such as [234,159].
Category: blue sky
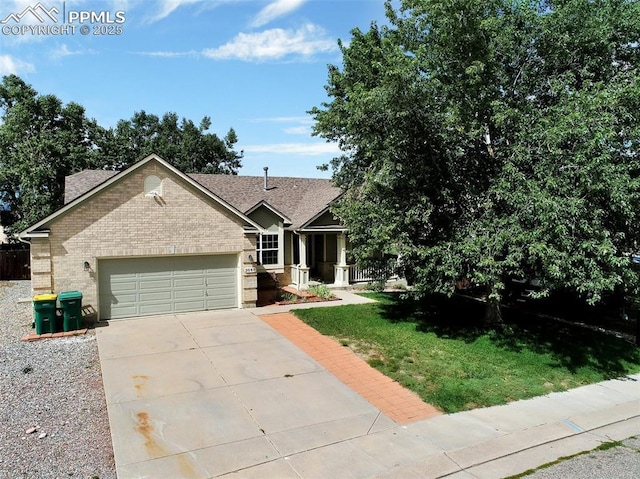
[255,65]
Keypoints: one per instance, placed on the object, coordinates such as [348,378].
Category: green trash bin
[44,308]
[71,305]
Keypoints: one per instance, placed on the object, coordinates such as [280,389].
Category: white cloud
[301,125]
[10,65]
[63,51]
[165,54]
[274,44]
[167,7]
[297,130]
[283,119]
[122,4]
[300,149]
[16,5]
[274,10]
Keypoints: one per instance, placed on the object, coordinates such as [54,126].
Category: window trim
[260,249]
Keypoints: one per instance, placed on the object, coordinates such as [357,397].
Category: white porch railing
[372,273]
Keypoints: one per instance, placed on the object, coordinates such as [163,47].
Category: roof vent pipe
[266,178]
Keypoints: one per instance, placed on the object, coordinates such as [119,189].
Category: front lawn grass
[436,349]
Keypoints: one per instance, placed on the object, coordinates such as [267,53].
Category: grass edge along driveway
[435,349]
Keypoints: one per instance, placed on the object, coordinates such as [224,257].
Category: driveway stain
[139,381]
[186,467]
[145,428]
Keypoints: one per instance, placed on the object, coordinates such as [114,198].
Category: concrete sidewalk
[224,394]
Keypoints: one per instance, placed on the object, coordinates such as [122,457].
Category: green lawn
[434,349]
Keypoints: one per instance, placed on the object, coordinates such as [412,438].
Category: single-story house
[152,239]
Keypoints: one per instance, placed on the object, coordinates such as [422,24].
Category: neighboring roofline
[264,203]
[122,174]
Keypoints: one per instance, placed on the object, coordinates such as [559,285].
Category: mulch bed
[306,299]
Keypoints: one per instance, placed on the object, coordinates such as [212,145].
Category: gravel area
[52,404]
[621,462]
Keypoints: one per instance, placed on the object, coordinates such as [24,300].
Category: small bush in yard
[287,297]
[321,291]
[376,286]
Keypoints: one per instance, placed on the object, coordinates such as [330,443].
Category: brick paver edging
[66,334]
[396,402]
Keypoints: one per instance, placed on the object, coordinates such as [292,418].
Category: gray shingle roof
[300,199]
[78,184]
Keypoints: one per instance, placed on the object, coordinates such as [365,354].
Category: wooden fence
[15,264]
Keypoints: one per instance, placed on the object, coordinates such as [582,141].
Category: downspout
[23,240]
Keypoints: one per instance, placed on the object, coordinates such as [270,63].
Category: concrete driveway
[211,394]
[205,394]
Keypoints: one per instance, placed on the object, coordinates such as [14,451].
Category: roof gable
[297,200]
[264,204]
[89,183]
[323,219]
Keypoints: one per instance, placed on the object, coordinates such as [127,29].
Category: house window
[267,249]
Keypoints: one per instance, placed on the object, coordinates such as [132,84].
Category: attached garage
[159,285]
[143,241]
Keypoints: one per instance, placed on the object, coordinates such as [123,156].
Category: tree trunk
[493,313]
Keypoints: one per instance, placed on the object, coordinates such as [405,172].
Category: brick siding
[121,221]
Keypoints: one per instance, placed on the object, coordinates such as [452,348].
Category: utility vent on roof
[152,186]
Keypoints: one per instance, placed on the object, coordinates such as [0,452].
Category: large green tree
[189,147]
[41,141]
[492,139]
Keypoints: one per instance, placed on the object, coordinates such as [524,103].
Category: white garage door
[146,286]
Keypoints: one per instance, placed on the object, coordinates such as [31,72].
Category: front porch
[321,257]
[311,258]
